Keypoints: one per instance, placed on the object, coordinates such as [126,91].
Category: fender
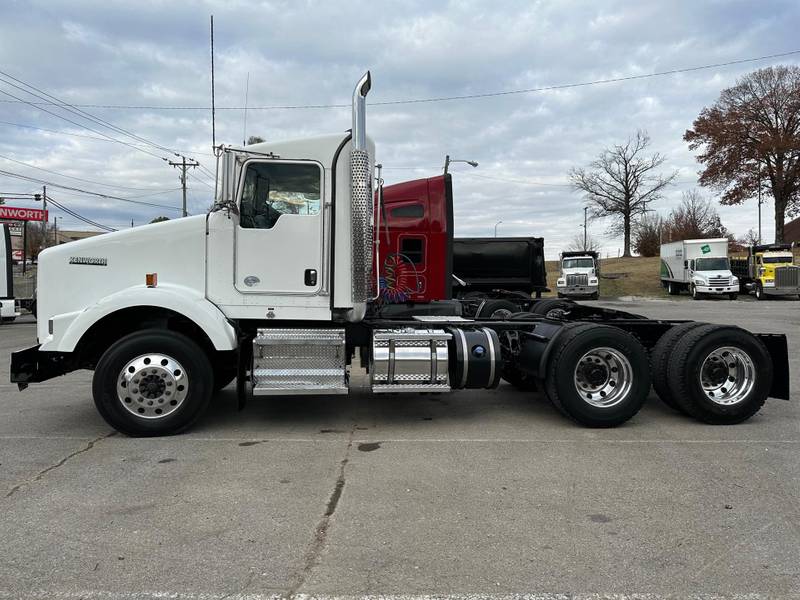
[180,299]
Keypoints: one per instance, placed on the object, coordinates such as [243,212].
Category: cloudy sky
[154,57]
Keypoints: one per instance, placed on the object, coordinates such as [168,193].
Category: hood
[76,275]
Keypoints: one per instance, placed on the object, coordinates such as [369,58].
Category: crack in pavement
[321,531]
[60,463]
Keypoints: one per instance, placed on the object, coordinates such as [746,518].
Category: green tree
[159,219]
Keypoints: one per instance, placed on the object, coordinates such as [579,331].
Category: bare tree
[254,139]
[576,245]
[694,218]
[749,239]
[750,140]
[622,182]
[647,233]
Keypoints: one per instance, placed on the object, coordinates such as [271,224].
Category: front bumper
[717,289]
[33,366]
[781,291]
[577,290]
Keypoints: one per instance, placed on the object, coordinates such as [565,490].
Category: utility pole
[44,217]
[55,231]
[585,212]
[759,205]
[183,165]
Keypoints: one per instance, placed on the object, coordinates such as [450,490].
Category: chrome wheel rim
[501,313]
[727,375]
[603,377]
[152,386]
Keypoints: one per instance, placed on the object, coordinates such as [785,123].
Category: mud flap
[779,353]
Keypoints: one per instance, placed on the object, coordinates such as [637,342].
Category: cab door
[279,245]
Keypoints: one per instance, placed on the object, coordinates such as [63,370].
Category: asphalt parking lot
[473,493]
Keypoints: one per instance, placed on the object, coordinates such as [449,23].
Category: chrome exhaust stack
[361,201]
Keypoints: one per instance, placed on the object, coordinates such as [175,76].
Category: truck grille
[578,279]
[787,277]
[714,281]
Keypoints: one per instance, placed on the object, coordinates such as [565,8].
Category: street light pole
[448,160]
[495,228]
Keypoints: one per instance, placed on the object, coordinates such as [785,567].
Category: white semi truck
[700,266]
[274,288]
[579,275]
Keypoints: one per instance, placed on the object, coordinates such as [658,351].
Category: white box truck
[700,266]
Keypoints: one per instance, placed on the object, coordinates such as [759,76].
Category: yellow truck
[768,270]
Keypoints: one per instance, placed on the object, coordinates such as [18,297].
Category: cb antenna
[213,109]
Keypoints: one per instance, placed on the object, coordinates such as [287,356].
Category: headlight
[700,282]
[769,280]
[734,280]
[561,282]
[593,280]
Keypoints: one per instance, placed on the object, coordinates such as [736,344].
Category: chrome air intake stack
[361,206]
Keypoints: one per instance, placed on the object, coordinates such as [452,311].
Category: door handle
[311,277]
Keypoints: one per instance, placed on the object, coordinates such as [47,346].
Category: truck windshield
[712,264]
[776,259]
[578,263]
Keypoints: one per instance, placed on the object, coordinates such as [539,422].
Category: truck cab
[579,275]
[768,270]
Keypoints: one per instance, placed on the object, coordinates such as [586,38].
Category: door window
[274,189]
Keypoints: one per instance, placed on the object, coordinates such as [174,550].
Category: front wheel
[695,294]
[760,295]
[597,375]
[497,309]
[153,382]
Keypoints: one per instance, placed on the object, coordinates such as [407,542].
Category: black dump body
[570,254]
[508,263]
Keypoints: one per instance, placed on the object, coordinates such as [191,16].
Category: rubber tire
[733,296]
[491,306]
[574,342]
[545,306]
[673,289]
[475,295]
[695,294]
[660,358]
[595,296]
[171,343]
[683,373]
[759,292]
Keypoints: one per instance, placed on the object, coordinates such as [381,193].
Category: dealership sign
[17,213]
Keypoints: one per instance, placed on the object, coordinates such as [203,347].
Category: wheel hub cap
[603,377]
[727,375]
[152,386]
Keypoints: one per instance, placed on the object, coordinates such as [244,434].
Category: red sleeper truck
[421,262]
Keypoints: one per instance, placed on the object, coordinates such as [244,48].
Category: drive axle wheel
[720,374]
[152,382]
[597,375]
[659,361]
[497,309]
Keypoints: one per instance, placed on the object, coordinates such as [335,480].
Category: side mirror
[686,264]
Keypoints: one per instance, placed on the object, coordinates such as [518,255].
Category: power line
[74,189]
[39,93]
[445,98]
[78,216]
[82,126]
[88,137]
[119,187]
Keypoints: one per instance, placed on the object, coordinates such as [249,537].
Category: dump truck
[579,275]
[768,270]
[700,266]
[275,289]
